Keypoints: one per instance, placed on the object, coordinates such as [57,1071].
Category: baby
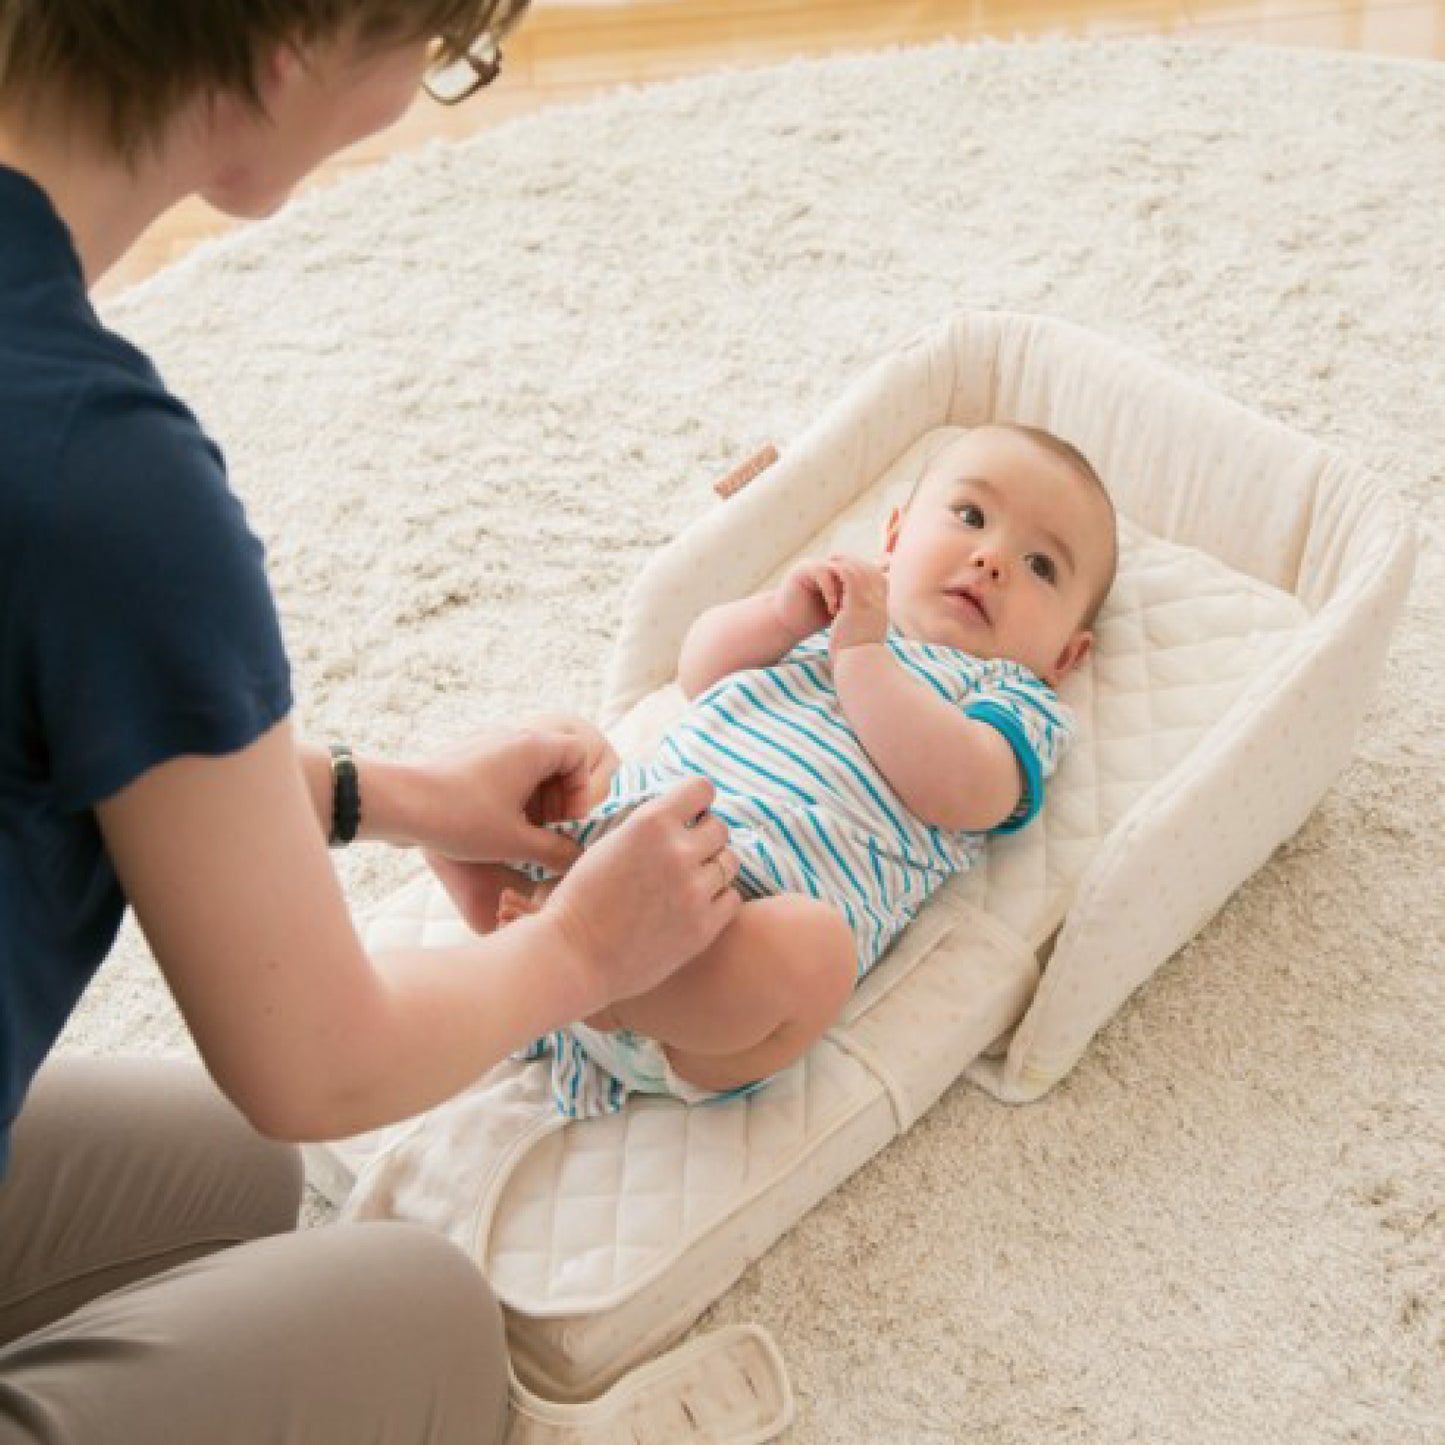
[867,726]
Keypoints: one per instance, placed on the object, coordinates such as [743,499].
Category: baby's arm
[951,771]
[756,631]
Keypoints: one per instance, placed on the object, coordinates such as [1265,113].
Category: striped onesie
[808,812]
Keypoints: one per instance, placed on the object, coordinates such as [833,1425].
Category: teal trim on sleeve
[1001,718]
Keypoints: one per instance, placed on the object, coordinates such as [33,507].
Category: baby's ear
[1076,649]
[281,66]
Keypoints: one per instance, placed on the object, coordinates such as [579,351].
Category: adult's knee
[424,1275]
[378,1332]
[441,1315]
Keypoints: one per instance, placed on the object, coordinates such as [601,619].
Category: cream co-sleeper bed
[1259,580]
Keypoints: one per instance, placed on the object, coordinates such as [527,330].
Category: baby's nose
[991,564]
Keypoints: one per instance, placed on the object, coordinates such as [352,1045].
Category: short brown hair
[125,67]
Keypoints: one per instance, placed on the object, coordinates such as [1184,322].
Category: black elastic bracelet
[345,796]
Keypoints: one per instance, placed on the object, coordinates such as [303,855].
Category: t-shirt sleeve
[1036,725]
[152,629]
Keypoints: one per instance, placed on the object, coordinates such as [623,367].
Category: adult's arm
[486,799]
[225,866]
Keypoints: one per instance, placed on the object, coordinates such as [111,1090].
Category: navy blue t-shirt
[136,623]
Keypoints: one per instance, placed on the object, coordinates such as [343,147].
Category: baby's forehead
[995,458]
[998,444]
[1076,502]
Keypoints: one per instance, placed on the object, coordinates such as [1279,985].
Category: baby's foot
[513,905]
[477,889]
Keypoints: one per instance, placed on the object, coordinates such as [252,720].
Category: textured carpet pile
[466,395]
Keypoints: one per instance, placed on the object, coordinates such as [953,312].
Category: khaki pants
[152,1288]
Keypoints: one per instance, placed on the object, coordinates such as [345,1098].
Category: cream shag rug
[467,395]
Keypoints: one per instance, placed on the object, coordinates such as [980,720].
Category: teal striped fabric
[807,812]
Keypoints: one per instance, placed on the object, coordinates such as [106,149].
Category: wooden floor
[572,48]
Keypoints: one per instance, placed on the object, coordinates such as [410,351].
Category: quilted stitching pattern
[600,1206]
[1180,638]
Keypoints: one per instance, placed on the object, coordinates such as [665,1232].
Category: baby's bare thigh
[783,959]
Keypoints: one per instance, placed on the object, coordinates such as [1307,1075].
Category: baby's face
[1000,554]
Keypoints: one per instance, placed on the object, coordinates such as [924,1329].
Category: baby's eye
[1042,566]
[969,514]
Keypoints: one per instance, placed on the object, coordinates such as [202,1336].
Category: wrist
[789,633]
[396,802]
[856,648]
[576,985]
[345,796]
[859,668]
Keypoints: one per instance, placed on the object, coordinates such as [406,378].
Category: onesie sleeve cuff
[1030,768]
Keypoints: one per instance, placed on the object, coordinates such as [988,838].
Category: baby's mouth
[970,604]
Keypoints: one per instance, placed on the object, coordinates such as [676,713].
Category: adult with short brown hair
[152,1287]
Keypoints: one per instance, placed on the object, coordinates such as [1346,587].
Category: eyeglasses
[458,70]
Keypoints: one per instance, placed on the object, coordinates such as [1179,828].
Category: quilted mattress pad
[1258,582]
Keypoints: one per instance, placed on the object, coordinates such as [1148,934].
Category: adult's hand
[313,1039]
[492,797]
[648,897]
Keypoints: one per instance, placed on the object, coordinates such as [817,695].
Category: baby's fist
[807,598]
[862,617]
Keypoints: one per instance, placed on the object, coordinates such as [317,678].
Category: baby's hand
[808,597]
[862,615]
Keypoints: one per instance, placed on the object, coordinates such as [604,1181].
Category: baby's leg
[755,1000]
[517,903]
[477,889]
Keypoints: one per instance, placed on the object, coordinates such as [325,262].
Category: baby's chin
[976,647]
[959,638]
[938,629]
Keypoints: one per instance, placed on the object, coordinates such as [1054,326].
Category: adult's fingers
[707,837]
[559,765]
[552,850]
[562,757]
[545,804]
[724,869]
[724,906]
[687,801]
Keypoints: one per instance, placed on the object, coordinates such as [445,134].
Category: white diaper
[594,1071]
